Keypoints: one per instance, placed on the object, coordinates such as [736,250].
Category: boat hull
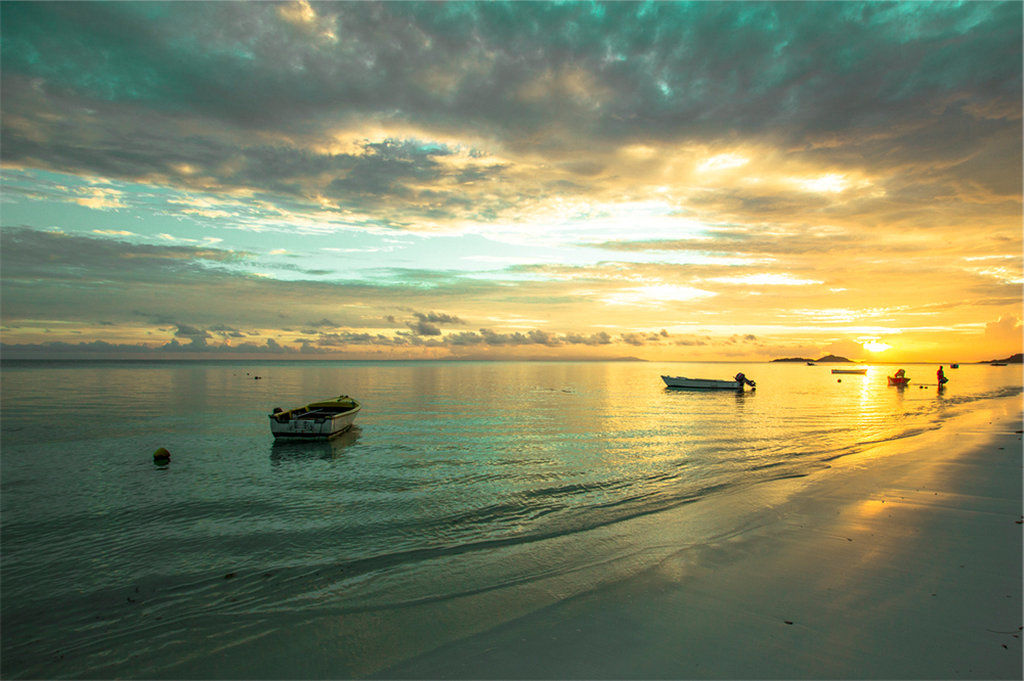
[850,371]
[317,421]
[312,429]
[700,383]
[898,382]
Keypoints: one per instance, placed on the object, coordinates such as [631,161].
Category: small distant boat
[315,421]
[708,383]
[850,371]
[898,381]
[811,364]
[954,366]
[997,364]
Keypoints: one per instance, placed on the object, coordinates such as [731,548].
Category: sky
[665,181]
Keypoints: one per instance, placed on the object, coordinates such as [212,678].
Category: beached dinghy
[315,421]
[708,383]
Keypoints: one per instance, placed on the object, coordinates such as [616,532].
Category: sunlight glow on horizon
[875,346]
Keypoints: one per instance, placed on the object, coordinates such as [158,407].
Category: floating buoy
[839,380]
[161,456]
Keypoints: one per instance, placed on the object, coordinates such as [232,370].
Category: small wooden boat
[708,383]
[315,421]
[898,381]
[850,371]
[811,364]
[954,366]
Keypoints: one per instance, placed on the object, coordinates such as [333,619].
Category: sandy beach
[902,561]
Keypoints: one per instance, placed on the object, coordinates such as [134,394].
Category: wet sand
[903,561]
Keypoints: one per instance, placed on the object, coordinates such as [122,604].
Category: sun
[875,346]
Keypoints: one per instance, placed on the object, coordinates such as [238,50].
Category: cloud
[423,328]
[104,348]
[81,278]
[39,253]
[1007,331]
[288,99]
[113,232]
[324,322]
[427,323]
[438,318]
[186,331]
[101,199]
[766,279]
[691,165]
[302,15]
[599,338]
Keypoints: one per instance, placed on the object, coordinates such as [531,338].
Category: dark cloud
[239,92]
[599,338]
[694,341]
[336,340]
[427,323]
[324,322]
[63,349]
[84,278]
[543,338]
[349,340]
[465,338]
[186,331]
[423,328]
[438,318]
[103,348]
[34,253]
[638,339]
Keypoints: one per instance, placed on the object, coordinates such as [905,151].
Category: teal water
[468,493]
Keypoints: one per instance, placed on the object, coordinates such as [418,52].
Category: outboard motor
[741,379]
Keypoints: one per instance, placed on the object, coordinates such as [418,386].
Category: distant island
[826,358]
[1012,359]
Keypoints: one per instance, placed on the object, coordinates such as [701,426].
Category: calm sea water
[468,493]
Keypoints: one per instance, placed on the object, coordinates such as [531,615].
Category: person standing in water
[941,376]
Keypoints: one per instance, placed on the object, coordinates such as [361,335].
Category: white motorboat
[708,383]
[850,371]
[315,421]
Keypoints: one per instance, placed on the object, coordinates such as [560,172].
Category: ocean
[468,494]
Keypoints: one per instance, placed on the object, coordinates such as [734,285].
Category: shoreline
[901,561]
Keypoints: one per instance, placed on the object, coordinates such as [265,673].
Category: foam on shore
[903,561]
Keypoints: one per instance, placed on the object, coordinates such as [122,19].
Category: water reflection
[688,398]
[283,451]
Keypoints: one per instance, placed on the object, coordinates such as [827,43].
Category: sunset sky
[666,181]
